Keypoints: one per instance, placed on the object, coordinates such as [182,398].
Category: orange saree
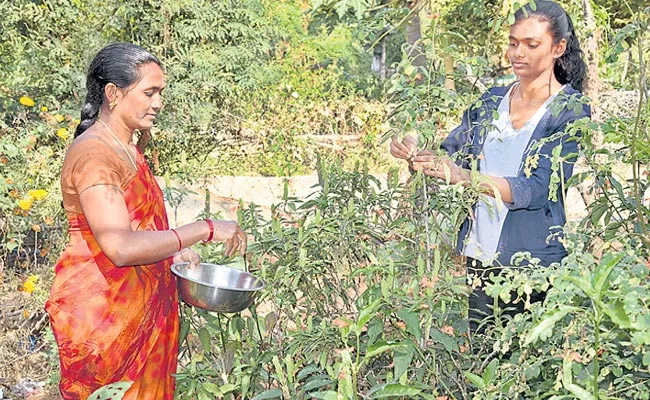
[115,324]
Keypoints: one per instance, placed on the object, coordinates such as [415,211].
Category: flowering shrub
[32,149]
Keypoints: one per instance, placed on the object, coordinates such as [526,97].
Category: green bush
[365,299]
[248,87]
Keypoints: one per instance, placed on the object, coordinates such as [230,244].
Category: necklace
[120,143]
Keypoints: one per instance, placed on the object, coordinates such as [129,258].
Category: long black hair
[570,67]
[117,63]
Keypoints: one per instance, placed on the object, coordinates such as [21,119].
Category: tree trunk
[591,54]
[413,36]
[593,87]
[449,72]
[382,61]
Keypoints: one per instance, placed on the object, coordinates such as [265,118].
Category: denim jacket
[533,223]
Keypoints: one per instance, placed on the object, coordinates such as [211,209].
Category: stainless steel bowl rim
[260,282]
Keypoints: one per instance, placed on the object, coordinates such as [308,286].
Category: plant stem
[427,251]
[355,372]
[596,348]
[635,133]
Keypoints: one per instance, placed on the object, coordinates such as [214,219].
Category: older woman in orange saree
[113,305]
[115,323]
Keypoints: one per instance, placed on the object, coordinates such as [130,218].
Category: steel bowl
[216,287]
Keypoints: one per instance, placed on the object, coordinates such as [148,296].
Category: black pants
[481,306]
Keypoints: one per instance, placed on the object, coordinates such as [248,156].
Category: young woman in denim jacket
[547,60]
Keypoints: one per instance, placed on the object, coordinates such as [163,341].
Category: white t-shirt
[502,156]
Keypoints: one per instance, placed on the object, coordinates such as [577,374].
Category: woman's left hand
[187,255]
[439,167]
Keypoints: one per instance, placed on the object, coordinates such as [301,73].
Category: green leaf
[10,150]
[367,313]
[447,341]
[475,379]
[490,371]
[583,284]
[203,394]
[375,328]
[308,370]
[212,388]
[567,381]
[316,383]
[579,392]
[505,387]
[604,270]
[107,392]
[598,212]
[381,347]
[616,312]
[228,387]
[278,369]
[646,358]
[395,390]
[412,321]
[567,374]
[617,186]
[328,395]
[402,359]
[185,328]
[269,394]
[544,328]
[204,335]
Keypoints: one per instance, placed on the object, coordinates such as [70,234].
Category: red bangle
[178,237]
[211,235]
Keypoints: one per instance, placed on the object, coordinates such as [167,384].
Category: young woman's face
[139,104]
[531,50]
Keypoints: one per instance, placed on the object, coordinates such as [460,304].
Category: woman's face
[531,50]
[139,104]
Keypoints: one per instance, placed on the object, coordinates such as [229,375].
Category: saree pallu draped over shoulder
[116,324]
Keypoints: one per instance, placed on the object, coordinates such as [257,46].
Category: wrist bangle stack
[178,237]
[211,225]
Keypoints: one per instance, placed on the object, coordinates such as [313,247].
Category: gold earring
[112,105]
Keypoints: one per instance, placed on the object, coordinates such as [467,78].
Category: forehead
[531,28]
[151,75]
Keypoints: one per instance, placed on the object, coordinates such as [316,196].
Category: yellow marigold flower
[36,228]
[9,181]
[38,194]
[48,220]
[27,101]
[26,313]
[63,133]
[44,109]
[26,203]
[58,117]
[30,283]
